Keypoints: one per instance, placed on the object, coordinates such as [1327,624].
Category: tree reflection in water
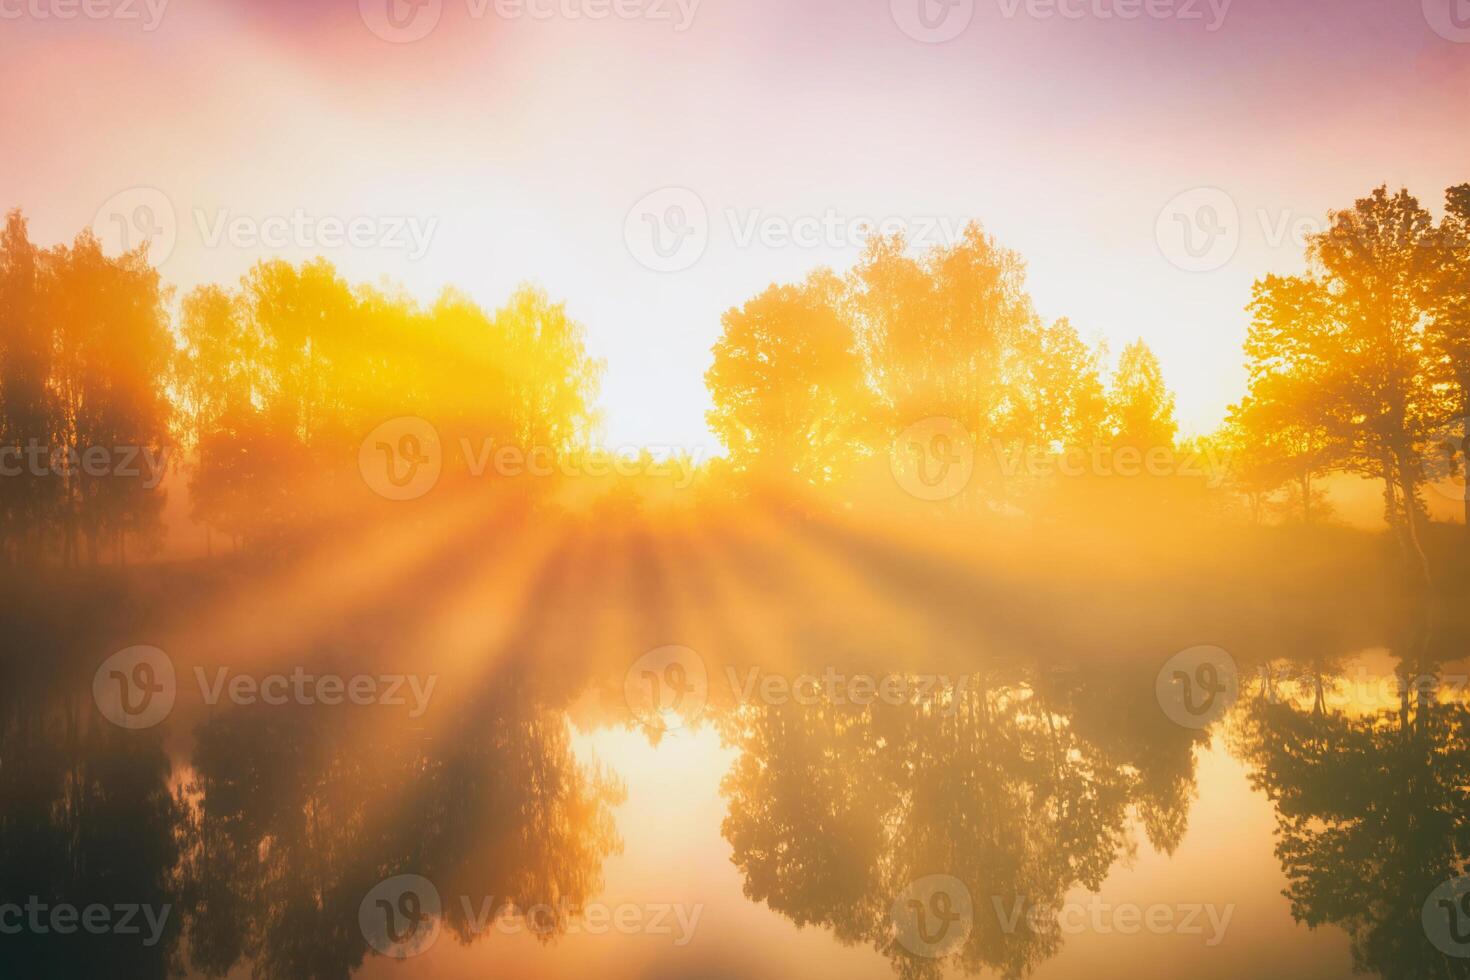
[1371,806]
[296,817]
[1020,790]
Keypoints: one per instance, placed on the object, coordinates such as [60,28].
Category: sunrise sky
[523,142]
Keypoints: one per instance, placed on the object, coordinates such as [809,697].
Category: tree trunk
[1411,523]
[1465,468]
[1391,510]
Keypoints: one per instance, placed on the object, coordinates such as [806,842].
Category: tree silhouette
[295,815]
[787,384]
[1140,405]
[1370,818]
[86,818]
[28,500]
[279,382]
[1339,356]
[835,808]
[1448,339]
[84,350]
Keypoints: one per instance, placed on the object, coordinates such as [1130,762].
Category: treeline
[1362,364]
[256,391]
[1359,366]
[931,377]
[278,382]
[811,380]
[85,358]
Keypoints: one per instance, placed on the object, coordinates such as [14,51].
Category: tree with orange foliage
[787,382]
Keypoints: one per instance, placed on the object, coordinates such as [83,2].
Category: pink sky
[524,142]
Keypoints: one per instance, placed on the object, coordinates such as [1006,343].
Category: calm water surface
[779,783]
